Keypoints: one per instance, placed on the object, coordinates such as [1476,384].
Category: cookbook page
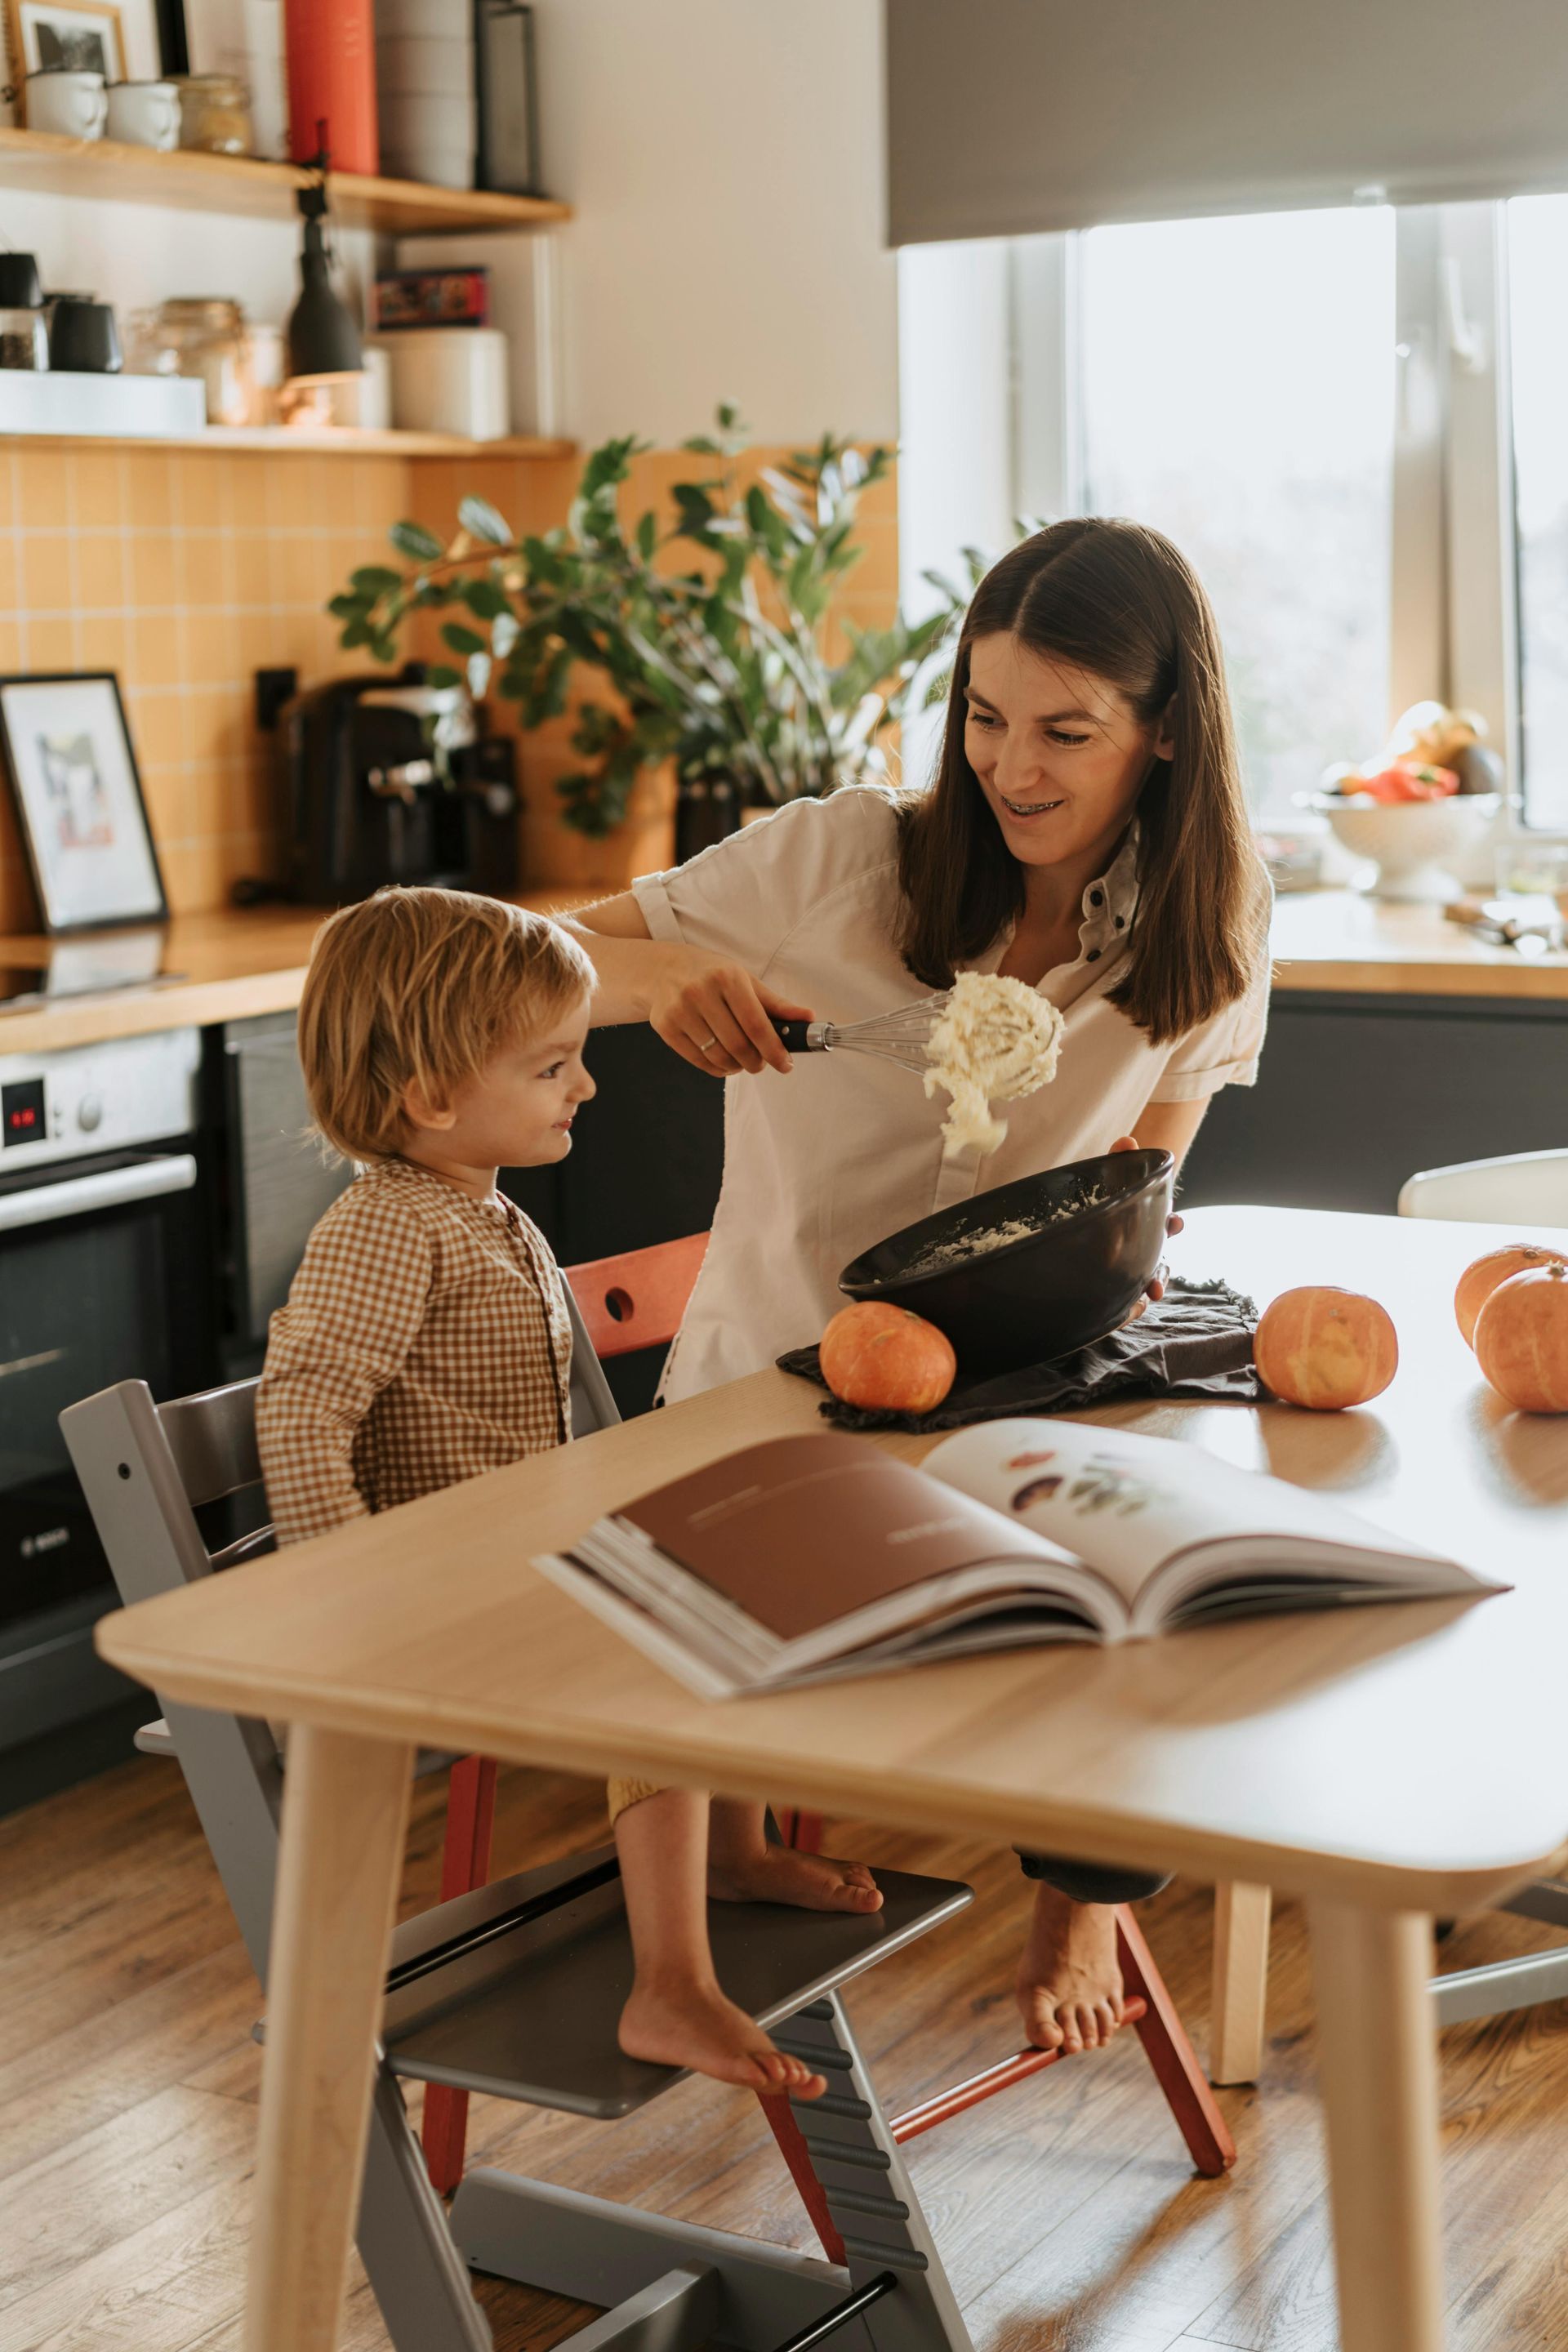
[1127,1503]
[802,1531]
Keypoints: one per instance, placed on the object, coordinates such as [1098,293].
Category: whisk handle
[794,1035]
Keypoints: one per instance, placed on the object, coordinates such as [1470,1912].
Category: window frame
[1454,610]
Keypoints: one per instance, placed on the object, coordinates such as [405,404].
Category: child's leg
[1069,1984]
[677,2014]
[743,1867]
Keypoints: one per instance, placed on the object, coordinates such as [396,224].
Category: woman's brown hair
[1121,603]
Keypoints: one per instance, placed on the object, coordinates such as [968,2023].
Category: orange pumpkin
[1325,1349]
[1481,1277]
[1522,1339]
[882,1356]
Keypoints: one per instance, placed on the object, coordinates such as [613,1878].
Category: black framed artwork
[80,805]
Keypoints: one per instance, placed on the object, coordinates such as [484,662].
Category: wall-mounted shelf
[277,440]
[40,163]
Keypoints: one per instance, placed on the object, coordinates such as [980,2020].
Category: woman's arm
[707,1007]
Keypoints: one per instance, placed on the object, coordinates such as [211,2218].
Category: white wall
[725,157]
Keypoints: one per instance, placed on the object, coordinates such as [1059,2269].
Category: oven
[105,1257]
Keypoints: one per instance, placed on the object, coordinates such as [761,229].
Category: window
[1236,392]
[1537,315]
[1353,422]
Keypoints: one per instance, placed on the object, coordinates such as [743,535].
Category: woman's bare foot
[680,2022]
[1069,1984]
[738,1873]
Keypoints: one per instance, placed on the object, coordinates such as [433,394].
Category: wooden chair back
[638,1298]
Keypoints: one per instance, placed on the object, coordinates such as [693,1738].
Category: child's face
[517,1111]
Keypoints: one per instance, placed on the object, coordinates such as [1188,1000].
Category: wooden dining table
[1384,1763]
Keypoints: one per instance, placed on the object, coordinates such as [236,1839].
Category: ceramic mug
[73,105]
[145,114]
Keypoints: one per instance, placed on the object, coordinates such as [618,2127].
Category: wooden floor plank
[1067,2211]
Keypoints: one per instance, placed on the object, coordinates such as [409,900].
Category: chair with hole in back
[1526,1188]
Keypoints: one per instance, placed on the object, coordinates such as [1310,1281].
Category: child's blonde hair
[422,986]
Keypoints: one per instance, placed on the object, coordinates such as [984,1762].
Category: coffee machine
[393,780]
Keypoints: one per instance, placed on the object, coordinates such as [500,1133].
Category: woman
[1086,834]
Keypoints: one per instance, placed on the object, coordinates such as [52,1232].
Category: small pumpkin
[1522,1339]
[883,1357]
[1482,1275]
[1325,1349]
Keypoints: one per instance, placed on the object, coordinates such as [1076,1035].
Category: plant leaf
[481,521]
[412,539]
[462,640]
[374,580]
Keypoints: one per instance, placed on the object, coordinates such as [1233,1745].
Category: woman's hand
[715,1015]
[1156,1288]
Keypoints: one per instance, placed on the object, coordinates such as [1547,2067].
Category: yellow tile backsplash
[186,571]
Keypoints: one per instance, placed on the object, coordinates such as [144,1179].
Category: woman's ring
[705,1045]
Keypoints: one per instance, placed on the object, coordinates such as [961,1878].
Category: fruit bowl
[1094,1234]
[1412,843]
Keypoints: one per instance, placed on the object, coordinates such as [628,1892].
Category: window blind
[1007,117]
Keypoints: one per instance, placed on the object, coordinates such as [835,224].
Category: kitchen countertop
[238,962]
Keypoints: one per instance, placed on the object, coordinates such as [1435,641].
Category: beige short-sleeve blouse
[822,1163]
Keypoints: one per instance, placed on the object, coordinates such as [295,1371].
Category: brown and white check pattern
[426,1340]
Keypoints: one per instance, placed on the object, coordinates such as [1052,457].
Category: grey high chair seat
[515,1989]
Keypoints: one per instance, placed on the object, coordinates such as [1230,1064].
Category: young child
[427,1340]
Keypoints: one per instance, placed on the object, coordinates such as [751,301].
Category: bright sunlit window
[1537,316]
[1237,393]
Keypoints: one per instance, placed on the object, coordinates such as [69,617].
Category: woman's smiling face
[1061,756]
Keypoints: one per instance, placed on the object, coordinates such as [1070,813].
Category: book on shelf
[808,1557]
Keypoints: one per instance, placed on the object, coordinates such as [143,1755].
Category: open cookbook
[811,1557]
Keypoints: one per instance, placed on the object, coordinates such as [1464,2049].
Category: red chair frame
[634,1300]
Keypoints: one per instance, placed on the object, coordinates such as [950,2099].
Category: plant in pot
[701,640]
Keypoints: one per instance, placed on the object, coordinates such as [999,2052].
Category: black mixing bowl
[1068,1281]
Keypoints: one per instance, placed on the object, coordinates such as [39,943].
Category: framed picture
[79,799]
[118,38]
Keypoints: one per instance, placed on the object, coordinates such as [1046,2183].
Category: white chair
[1526,1188]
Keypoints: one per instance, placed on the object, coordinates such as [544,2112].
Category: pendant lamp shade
[323,339]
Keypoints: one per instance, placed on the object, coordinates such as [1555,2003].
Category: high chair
[515,1989]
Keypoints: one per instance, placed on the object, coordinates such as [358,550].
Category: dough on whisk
[996,1040]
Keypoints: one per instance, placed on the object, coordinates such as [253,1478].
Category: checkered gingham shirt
[426,1340]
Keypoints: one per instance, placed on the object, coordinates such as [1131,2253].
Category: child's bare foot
[680,2023]
[1069,1984]
[777,1874]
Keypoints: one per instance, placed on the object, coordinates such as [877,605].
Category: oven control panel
[89,1099]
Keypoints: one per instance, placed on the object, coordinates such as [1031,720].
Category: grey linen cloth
[1197,1342]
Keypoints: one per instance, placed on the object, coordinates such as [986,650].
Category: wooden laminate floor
[1067,2211]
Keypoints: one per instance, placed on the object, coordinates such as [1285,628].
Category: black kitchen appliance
[391,780]
[104,1247]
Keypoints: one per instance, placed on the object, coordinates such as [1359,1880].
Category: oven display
[22,1116]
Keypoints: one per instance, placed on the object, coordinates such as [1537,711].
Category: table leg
[345,1809]
[1378,2065]
[1241,1915]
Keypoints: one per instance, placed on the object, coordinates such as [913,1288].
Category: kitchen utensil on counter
[145,114]
[83,337]
[72,105]
[1531,925]
[1527,868]
[1415,844]
[393,780]
[1096,1233]
[23,336]
[215,114]
[903,1037]
[203,336]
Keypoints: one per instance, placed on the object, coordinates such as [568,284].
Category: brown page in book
[804,1530]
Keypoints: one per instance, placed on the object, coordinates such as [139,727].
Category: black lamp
[323,341]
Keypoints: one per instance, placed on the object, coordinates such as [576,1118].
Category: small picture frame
[117,38]
[83,820]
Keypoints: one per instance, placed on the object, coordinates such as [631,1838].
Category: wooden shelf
[42,163]
[277,440]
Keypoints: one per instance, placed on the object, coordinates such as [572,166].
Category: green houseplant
[702,640]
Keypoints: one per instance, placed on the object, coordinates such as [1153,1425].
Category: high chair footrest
[516,1989]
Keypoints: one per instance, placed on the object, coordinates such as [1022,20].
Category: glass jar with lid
[204,336]
[215,114]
